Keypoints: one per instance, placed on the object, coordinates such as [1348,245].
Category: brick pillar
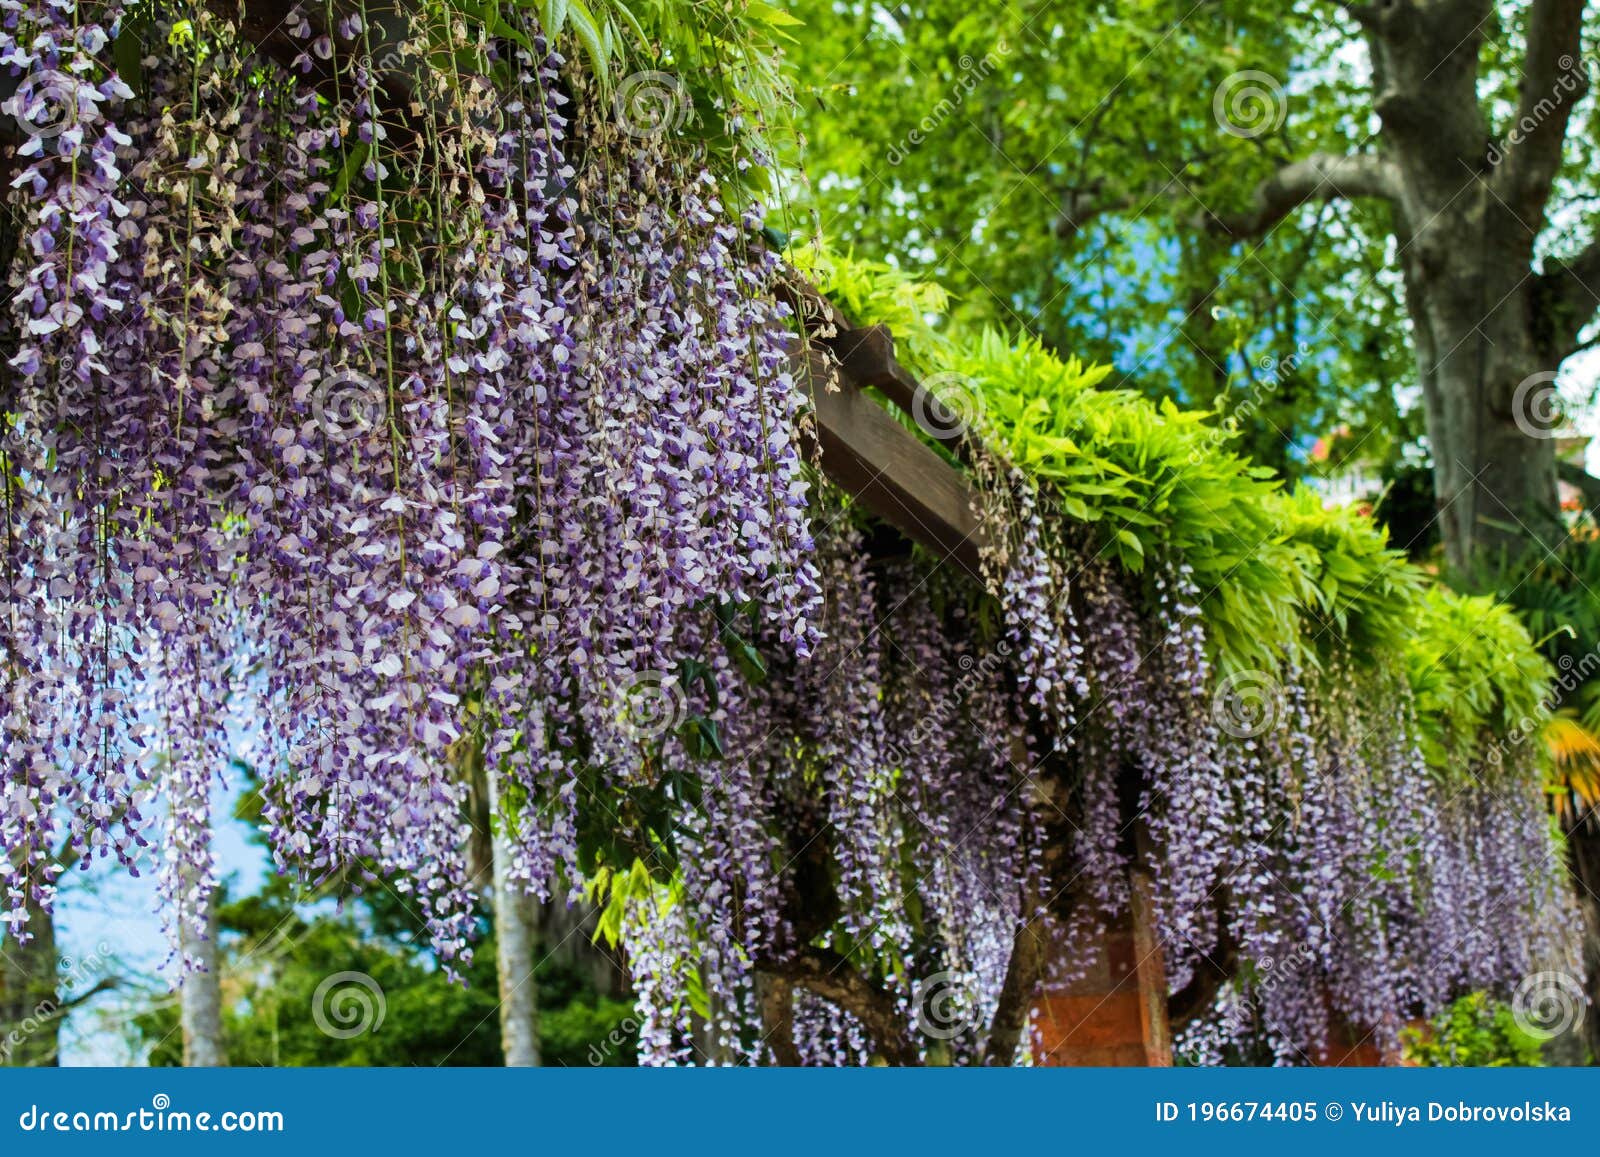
[1348,1047]
[1116,1014]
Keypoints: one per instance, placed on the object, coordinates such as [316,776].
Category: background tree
[280,1009]
[1198,192]
[37,987]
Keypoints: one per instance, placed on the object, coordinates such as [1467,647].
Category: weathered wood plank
[867,355]
[883,465]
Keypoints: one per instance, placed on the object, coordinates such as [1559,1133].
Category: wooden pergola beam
[888,470]
[864,450]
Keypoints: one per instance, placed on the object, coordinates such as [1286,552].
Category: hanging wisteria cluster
[1297,837]
[880,768]
[1007,763]
[400,428]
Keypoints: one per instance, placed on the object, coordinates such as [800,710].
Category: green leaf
[553,17]
[127,53]
[694,989]
[588,33]
[701,739]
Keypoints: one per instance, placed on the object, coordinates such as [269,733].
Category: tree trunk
[1494,463]
[1488,331]
[515,933]
[201,998]
[1466,229]
[30,1000]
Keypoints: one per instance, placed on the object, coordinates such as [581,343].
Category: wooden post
[1115,1015]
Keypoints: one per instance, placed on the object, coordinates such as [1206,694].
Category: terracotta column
[1116,1014]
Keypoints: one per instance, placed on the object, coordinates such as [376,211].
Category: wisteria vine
[379,434]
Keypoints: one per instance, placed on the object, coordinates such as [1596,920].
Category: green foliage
[1474,669]
[274,959]
[726,54]
[1053,164]
[1284,578]
[1554,593]
[1475,1031]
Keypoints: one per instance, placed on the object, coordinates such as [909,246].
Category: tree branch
[1319,177]
[1586,483]
[832,977]
[1029,951]
[1553,82]
[1079,207]
[1566,297]
[777,1017]
[104,984]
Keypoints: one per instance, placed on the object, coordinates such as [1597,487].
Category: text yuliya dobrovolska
[1393,1113]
